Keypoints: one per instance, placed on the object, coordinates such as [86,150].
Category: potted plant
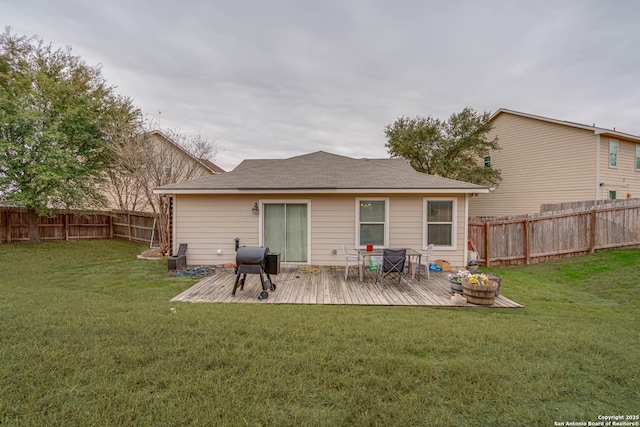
[478,289]
[495,278]
[456,280]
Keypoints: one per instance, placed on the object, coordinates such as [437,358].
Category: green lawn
[88,336]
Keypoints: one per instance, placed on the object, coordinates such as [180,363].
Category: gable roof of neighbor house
[207,164]
[322,172]
[212,166]
[594,129]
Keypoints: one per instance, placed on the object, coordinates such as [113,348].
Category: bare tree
[153,159]
[123,187]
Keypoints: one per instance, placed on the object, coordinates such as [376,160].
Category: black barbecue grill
[256,260]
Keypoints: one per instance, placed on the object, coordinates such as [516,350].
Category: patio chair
[178,262]
[352,259]
[424,260]
[393,263]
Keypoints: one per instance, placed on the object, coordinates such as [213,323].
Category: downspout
[597,165]
[466,231]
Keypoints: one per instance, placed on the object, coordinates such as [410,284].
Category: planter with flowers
[456,280]
[478,289]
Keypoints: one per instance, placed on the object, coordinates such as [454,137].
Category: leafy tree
[452,149]
[59,122]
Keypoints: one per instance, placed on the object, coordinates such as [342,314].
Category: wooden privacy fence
[63,225]
[134,226]
[547,236]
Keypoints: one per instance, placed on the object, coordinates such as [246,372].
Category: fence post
[487,245]
[129,224]
[527,249]
[65,223]
[592,230]
[8,212]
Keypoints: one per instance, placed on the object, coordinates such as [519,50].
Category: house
[305,207]
[545,160]
[164,161]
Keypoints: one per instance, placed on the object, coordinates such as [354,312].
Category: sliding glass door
[285,230]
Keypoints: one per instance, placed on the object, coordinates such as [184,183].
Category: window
[612,195]
[440,217]
[372,222]
[638,157]
[487,162]
[613,153]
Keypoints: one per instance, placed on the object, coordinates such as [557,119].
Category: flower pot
[495,278]
[479,294]
[456,287]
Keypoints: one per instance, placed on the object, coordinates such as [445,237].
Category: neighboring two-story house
[545,160]
[163,162]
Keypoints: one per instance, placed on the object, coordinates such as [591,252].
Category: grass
[89,337]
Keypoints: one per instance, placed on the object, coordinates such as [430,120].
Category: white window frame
[386,220]
[614,149]
[454,223]
[488,161]
[638,157]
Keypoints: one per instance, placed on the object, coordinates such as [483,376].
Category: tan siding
[405,216]
[624,178]
[209,223]
[540,162]
[333,223]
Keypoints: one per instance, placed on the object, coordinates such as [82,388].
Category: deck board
[327,285]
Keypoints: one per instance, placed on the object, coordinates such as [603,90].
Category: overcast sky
[274,79]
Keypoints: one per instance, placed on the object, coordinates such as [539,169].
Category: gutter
[321,191]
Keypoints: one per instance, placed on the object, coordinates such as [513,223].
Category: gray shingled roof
[321,171]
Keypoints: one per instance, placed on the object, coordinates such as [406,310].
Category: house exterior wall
[624,178]
[540,162]
[208,223]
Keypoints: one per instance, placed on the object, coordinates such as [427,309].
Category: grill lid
[252,255]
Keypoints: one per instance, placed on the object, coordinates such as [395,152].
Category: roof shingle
[321,171]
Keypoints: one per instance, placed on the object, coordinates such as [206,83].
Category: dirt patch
[153,253]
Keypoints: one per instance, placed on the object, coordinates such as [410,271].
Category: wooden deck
[326,285]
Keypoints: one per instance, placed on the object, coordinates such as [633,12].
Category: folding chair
[393,263]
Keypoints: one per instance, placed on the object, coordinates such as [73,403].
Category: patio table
[364,254]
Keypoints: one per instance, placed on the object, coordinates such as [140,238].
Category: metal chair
[424,260]
[393,263]
[352,259]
